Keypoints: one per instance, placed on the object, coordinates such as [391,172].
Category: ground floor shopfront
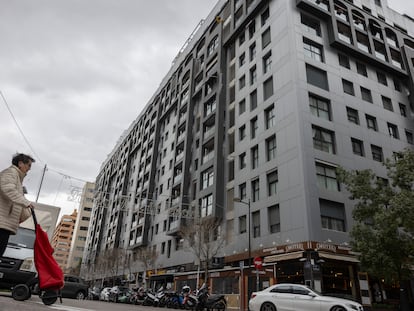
[327,268]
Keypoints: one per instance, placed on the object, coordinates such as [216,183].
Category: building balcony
[179,157]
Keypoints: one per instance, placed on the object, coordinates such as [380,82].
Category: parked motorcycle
[137,296]
[150,299]
[210,302]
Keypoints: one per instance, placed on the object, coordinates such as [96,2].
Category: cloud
[77,73]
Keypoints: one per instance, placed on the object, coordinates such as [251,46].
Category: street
[7,303]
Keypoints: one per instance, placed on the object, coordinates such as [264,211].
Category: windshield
[23,238]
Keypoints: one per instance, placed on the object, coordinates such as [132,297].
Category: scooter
[210,302]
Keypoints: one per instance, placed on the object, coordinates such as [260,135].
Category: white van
[17,264]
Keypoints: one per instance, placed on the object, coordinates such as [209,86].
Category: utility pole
[41,182]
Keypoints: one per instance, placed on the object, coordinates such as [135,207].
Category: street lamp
[238,200]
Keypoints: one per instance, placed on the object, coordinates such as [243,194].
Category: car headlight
[350,305]
[27,265]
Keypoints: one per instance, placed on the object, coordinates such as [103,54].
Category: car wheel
[80,295]
[21,292]
[337,308]
[268,306]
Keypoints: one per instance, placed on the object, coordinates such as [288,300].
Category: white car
[104,295]
[288,297]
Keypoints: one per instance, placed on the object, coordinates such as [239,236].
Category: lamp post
[238,200]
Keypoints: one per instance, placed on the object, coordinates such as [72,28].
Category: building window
[387,103]
[409,136]
[317,77]
[253,75]
[371,122]
[207,205]
[242,106]
[326,177]
[212,46]
[323,139]
[252,50]
[320,107]
[264,16]
[253,100]
[393,130]
[362,69]
[242,191]
[270,118]
[242,132]
[253,127]
[403,109]
[382,78]
[207,178]
[255,190]
[242,224]
[256,224]
[348,87]
[274,218]
[252,29]
[397,85]
[332,215]
[357,147]
[366,94]
[242,38]
[352,115]
[266,38]
[311,25]
[271,148]
[268,88]
[377,153]
[312,50]
[242,59]
[267,62]
[242,160]
[255,156]
[272,180]
[242,82]
[344,61]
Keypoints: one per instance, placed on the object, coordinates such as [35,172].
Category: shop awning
[281,257]
[338,257]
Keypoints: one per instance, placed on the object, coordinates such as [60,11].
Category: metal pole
[41,183]
[250,248]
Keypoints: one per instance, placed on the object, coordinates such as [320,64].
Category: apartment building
[80,231]
[260,106]
[62,239]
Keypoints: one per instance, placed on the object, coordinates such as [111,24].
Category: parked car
[104,295]
[75,287]
[284,297]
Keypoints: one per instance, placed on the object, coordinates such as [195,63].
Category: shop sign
[294,247]
[326,246]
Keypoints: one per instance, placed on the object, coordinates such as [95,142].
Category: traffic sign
[258,262]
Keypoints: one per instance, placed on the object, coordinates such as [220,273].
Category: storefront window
[289,272]
[227,286]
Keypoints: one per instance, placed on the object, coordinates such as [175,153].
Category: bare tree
[148,256]
[205,240]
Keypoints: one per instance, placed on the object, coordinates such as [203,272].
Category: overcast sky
[76,73]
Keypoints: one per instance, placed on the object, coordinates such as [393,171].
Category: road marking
[67,308]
